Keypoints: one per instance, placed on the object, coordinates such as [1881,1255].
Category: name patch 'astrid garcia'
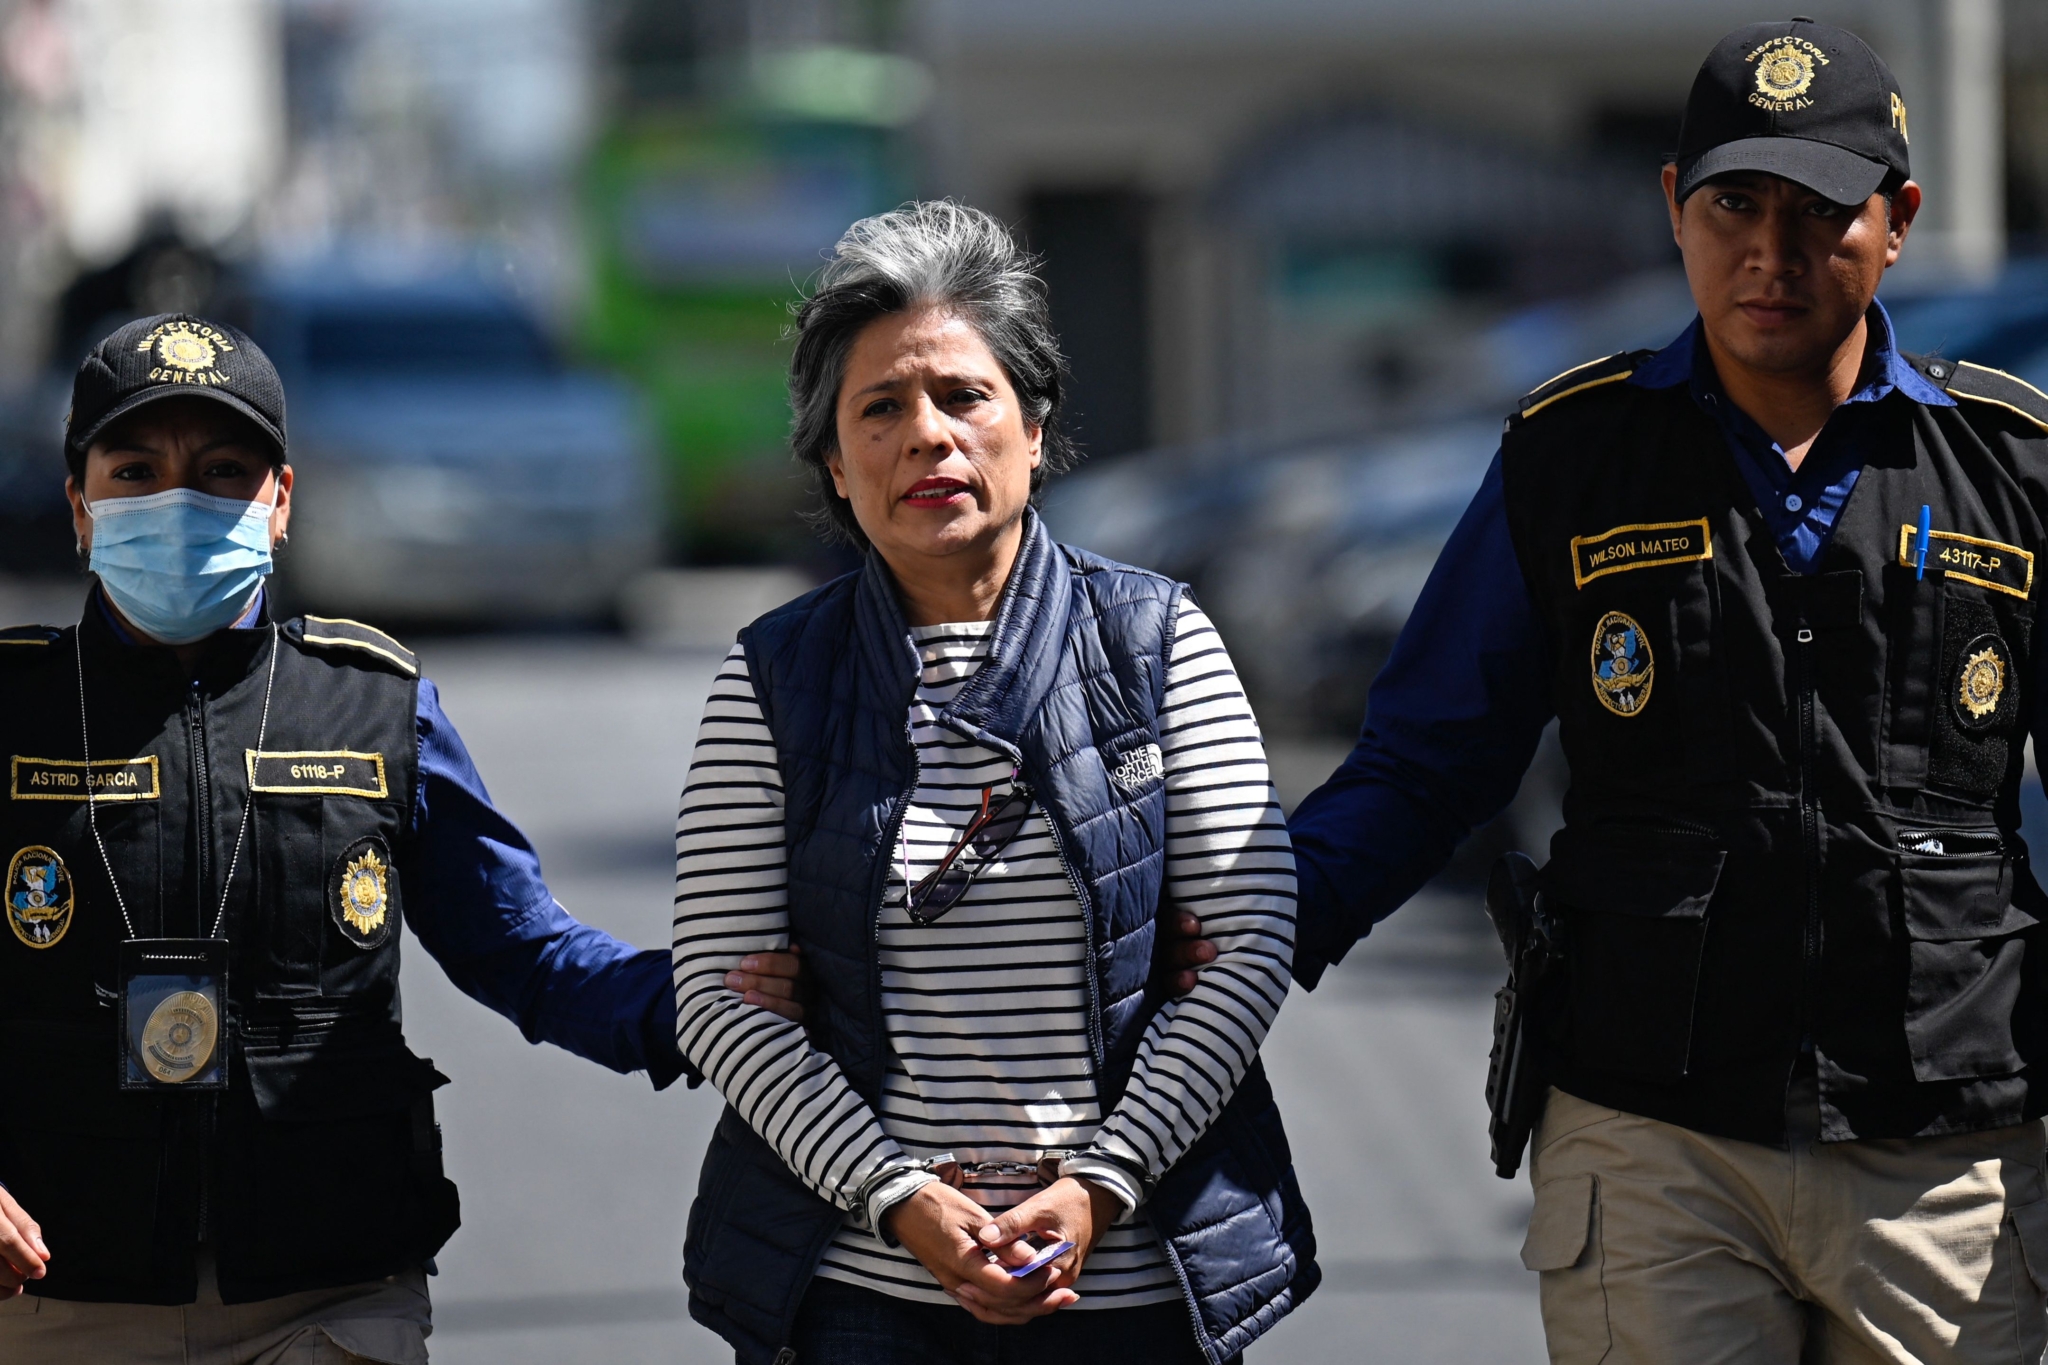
[67,779]
[1643,546]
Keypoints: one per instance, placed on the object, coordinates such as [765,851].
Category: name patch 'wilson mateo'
[1643,546]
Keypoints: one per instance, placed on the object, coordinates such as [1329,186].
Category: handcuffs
[952,1171]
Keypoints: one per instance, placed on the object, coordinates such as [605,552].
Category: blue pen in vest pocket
[181,564]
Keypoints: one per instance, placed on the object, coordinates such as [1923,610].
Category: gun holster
[1517,1073]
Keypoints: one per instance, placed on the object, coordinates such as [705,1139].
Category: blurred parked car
[36,538]
[452,467]
[2002,324]
[1309,558]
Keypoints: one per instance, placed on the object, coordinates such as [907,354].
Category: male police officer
[1777,582]
[217,1145]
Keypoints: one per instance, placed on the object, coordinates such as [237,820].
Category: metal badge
[179,1037]
[173,999]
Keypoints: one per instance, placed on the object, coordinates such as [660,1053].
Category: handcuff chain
[92,807]
[952,1171]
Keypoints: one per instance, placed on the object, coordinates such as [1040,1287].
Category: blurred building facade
[1326,196]
[239,128]
[1298,217]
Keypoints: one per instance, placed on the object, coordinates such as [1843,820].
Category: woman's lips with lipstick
[935,492]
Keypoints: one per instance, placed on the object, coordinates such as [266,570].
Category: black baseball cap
[174,355]
[1806,101]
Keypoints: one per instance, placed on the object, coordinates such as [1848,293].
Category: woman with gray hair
[965,781]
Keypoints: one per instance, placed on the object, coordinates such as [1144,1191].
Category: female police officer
[218,1146]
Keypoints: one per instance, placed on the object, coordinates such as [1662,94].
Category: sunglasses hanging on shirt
[173,992]
[979,845]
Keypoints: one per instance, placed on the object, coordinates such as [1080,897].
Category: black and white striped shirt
[987,1008]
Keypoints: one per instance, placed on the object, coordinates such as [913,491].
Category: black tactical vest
[320,1163]
[1794,798]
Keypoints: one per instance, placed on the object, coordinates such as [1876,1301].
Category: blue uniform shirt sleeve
[1451,724]
[477,902]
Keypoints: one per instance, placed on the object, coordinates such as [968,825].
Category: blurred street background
[526,266]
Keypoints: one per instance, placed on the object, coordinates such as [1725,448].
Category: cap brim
[145,397]
[1829,171]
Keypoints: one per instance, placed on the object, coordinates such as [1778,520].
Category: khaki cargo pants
[384,1322]
[1662,1246]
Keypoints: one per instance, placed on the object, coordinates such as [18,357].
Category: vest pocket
[1635,915]
[1639,689]
[343,1139]
[1976,709]
[1965,953]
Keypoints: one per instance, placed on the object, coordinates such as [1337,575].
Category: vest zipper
[1097,1048]
[890,863]
[202,828]
[1809,834]
[202,814]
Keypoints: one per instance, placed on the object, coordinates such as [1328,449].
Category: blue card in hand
[1041,1260]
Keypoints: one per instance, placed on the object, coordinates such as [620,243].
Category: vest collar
[224,659]
[1888,369]
[1032,616]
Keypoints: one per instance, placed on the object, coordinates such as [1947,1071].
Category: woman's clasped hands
[971,1253]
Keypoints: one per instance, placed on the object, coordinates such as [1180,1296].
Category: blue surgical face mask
[181,564]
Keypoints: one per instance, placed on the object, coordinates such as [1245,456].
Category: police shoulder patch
[39,896]
[1591,375]
[363,642]
[1623,667]
[1982,384]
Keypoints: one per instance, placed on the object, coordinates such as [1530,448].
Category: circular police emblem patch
[1784,73]
[1980,683]
[186,349]
[360,892]
[1623,667]
[39,898]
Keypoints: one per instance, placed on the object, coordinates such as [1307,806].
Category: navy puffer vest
[1072,685]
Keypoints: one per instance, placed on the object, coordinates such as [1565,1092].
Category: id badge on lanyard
[173,1001]
[173,992]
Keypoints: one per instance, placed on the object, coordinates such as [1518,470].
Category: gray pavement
[575,1181]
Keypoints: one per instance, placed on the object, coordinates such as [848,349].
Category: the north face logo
[1139,767]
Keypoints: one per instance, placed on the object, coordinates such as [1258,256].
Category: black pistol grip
[1514,1084]
[1510,902]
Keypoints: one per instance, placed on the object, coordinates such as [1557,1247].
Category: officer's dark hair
[247,432]
[935,254]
